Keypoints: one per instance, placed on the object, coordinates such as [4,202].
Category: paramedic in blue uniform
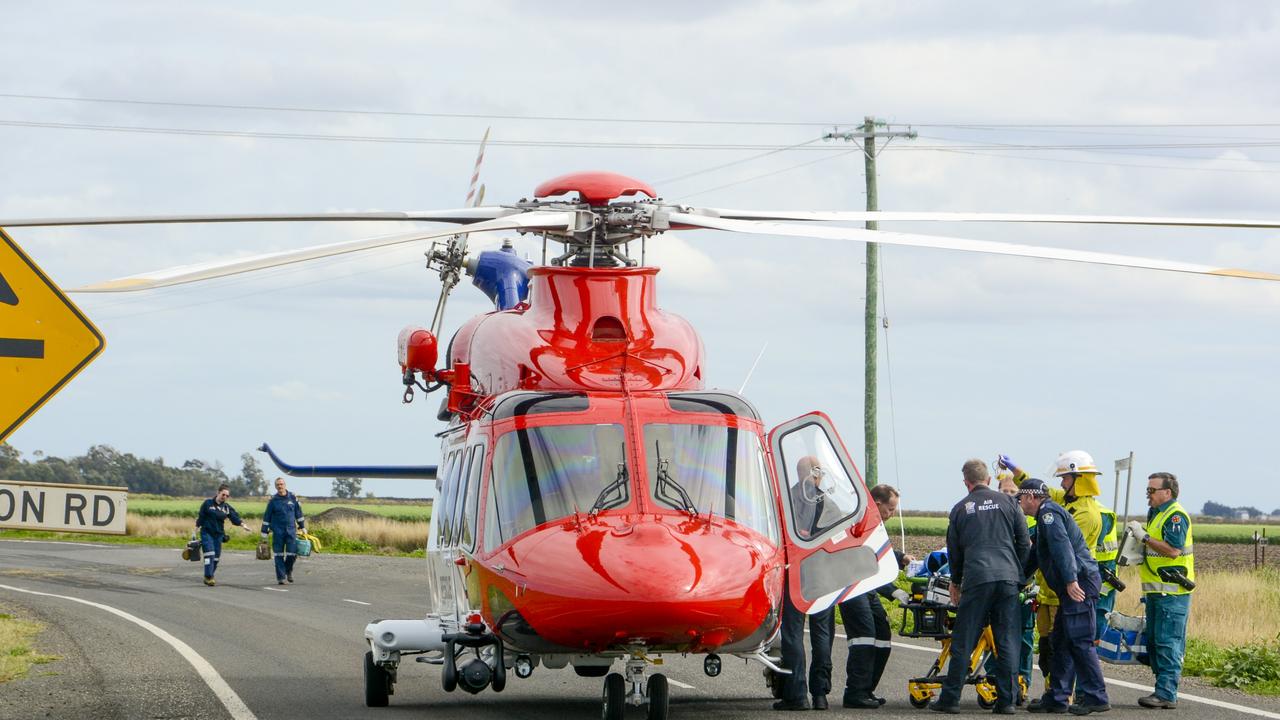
[866,624]
[808,500]
[284,518]
[987,545]
[213,513]
[1068,566]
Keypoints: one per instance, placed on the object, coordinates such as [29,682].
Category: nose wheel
[615,697]
[658,697]
[653,693]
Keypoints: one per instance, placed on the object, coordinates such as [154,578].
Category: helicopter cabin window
[547,473]
[822,491]
[468,499]
[711,469]
[449,498]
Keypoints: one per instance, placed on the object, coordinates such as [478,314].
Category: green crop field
[188,507]
[1204,531]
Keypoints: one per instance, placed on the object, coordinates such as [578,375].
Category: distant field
[188,507]
[1204,531]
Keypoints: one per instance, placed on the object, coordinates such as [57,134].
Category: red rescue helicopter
[597,503]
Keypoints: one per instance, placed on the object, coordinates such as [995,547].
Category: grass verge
[366,536]
[16,652]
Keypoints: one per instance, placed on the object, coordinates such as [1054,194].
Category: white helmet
[1075,462]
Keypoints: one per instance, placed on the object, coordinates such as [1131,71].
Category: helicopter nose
[647,560]
[662,584]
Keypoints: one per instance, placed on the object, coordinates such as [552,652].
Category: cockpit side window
[546,473]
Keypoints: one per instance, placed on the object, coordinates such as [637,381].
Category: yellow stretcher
[932,616]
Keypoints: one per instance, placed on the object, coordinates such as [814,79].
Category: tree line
[104,465]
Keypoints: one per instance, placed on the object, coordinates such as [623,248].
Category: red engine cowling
[418,351]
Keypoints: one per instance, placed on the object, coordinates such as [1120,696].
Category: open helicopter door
[836,545]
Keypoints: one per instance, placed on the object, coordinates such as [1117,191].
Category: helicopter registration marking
[44,338]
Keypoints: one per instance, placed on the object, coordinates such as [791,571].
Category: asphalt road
[296,651]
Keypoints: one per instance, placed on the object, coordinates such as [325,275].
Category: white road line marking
[228,697]
[1144,688]
[63,542]
[679,684]
[358,602]
[1199,699]
[275,589]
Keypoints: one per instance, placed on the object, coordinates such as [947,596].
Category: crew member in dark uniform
[987,545]
[808,502]
[866,623]
[209,522]
[1068,566]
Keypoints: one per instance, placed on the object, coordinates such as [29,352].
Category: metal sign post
[1124,464]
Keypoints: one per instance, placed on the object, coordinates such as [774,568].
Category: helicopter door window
[546,473]
[822,494]
[460,498]
[711,469]
[467,502]
[449,498]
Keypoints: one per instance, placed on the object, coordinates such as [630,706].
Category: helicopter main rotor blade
[463,216]
[756,227]
[223,268]
[881,216]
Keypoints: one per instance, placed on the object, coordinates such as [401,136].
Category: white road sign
[68,508]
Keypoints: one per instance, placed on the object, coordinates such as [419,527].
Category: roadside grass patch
[159,506]
[16,652]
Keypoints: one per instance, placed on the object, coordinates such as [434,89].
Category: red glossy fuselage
[640,574]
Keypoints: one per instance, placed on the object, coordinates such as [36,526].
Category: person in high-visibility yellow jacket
[1168,574]
[1078,475]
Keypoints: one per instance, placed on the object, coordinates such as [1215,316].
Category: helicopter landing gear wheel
[377,683]
[615,697]
[659,697]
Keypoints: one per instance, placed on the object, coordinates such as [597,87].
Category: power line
[609,144]
[1012,156]
[396,113]
[1008,126]
[200,132]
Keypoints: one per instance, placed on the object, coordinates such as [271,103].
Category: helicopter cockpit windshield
[541,474]
[711,469]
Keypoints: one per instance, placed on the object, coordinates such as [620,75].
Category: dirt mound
[337,514]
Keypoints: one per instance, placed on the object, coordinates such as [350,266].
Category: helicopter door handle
[500,568]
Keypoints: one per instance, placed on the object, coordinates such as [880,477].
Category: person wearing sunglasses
[1168,574]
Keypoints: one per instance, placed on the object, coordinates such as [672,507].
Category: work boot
[861,701]
[209,582]
[1087,709]
[1155,701]
[791,705]
[288,577]
[1003,710]
[1040,706]
[820,702]
[878,699]
[279,581]
[937,706]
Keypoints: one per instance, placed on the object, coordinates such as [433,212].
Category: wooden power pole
[871,129]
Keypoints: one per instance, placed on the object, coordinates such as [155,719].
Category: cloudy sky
[1159,108]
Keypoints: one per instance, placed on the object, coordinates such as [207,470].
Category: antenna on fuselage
[753,368]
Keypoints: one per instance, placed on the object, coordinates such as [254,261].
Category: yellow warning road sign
[44,338]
